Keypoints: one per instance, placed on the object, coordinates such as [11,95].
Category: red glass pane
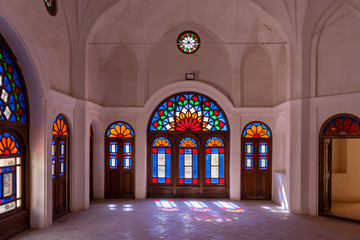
[347,123]
[221,180]
[221,150]
[194,180]
[154,180]
[194,150]
[339,124]
[168,150]
[181,150]
[207,180]
[208,150]
[154,150]
[353,127]
[167,180]
[181,180]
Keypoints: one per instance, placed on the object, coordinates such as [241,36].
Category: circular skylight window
[188,42]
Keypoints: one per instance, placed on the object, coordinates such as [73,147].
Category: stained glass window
[256,130]
[188,161]
[249,155]
[188,42]
[50,6]
[263,155]
[342,126]
[214,160]
[60,126]
[161,158]
[121,130]
[12,99]
[10,173]
[188,112]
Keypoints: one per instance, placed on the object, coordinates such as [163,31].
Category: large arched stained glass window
[342,125]
[199,132]
[119,162]
[14,145]
[161,156]
[214,160]
[188,112]
[188,163]
[10,173]
[12,98]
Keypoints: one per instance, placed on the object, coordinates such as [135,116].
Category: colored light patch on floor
[276,210]
[112,207]
[127,208]
[197,205]
[166,205]
[228,206]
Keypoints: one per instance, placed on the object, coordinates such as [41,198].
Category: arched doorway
[339,167]
[188,148]
[256,163]
[60,166]
[119,161]
[14,146]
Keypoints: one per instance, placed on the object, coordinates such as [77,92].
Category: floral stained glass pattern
[256,130]
[8,144]
[50,6]
[12,99]
[188,42]
[342,126]
[215,161]
[120,130]
[188,161]
[60,126]
[161,142]
[188,112]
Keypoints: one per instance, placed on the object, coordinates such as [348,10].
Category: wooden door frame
[242,164]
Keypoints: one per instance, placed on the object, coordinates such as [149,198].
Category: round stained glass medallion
[50,6]
[188,42]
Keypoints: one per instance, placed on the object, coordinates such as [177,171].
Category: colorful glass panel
[8,144]
[127,155]
[249,155]
[60,126]
[214,162]
[188,161]
[113,152]
[256,130]
[263,155]
[161,159]
[188,112]
[12,99]
[342,126]
[121,130]
[10,173]
[50,6]
[53,168]
[188,42]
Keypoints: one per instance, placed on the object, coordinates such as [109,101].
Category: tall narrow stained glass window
[161,156]
[188,161]
[214,160]
[10,173]
[119,162]
[14,146]
[256,161]
[199,132]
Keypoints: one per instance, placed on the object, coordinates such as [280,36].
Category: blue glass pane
[221,166]
[208,165]
[154,165]
[188,181]
[168,171]
[161,150]
[161,180]
[7,199]
[181,165]
[14,182]
[188,150]
[214,150]
[194,165]
[214,180]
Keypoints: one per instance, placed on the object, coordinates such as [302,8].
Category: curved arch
[341,125]
[61,126]
[188,111]
[120,129]
[257,129]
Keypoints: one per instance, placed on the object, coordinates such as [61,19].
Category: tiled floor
[252,220]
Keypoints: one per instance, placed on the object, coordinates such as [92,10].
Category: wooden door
[60,176]
[120,174]
[327,176]
[256,169]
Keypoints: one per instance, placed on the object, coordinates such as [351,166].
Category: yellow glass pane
[117,130]
[253,129]
[259,129]
[127,133]
[249,132]
[122,129]
[64,130]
